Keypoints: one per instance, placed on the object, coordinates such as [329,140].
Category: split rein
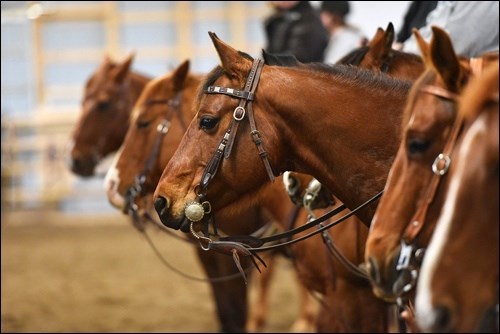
[199,211]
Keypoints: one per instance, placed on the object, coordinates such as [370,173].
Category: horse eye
[417,146]
[142,124]
[208,123]
[103,105]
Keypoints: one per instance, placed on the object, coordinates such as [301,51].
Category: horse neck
[342,131]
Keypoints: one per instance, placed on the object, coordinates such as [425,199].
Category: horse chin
[174,223]
[185,225]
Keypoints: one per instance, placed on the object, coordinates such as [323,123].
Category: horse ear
[379,34]
[389,36]
[381,45]
[180,74]
[444,58]
[107,60]
[121,70]
[422,45]
[231,60]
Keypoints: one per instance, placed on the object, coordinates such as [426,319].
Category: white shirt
[342,41]
[471,25]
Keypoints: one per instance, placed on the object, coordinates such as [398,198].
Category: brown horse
[294,108]
[458,283]
[413,194]
[157,126]
[110,94]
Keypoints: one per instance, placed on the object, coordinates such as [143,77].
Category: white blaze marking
[424,310]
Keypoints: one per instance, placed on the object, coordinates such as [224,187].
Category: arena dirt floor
[98,274]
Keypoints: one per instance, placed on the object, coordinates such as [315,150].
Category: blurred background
[56,227]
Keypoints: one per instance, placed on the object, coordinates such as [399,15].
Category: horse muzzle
[382,278]
[162,205]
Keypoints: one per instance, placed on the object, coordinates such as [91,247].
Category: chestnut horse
[110,94]
[407,212]
[458,283]
[157,126]
[295,108]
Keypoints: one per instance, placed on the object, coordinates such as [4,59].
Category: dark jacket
[415,17]
[298,32]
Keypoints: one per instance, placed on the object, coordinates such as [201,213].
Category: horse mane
[355,57]
[355,76]
[351,75]
[279,60]
[96,79]
[406,56]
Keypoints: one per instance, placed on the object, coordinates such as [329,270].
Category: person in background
[295,29]
[415,17]
[471,25]
[343,37]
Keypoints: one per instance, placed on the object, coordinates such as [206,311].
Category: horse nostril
[161,205]
[372,270]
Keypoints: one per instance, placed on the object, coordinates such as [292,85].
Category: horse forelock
[98,80]
[162,88]
[209,80]
[354,57]
[424,79]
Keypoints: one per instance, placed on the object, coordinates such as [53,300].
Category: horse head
[256,121]
[108,99]
[214,116]
[157,124]
[457,289]
[408,210]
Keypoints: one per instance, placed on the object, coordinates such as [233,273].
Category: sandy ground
[98,274]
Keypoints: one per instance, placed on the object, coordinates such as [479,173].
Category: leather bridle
[137,189]
[410,256]
[200,210]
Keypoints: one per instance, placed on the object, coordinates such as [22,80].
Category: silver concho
[194,211]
